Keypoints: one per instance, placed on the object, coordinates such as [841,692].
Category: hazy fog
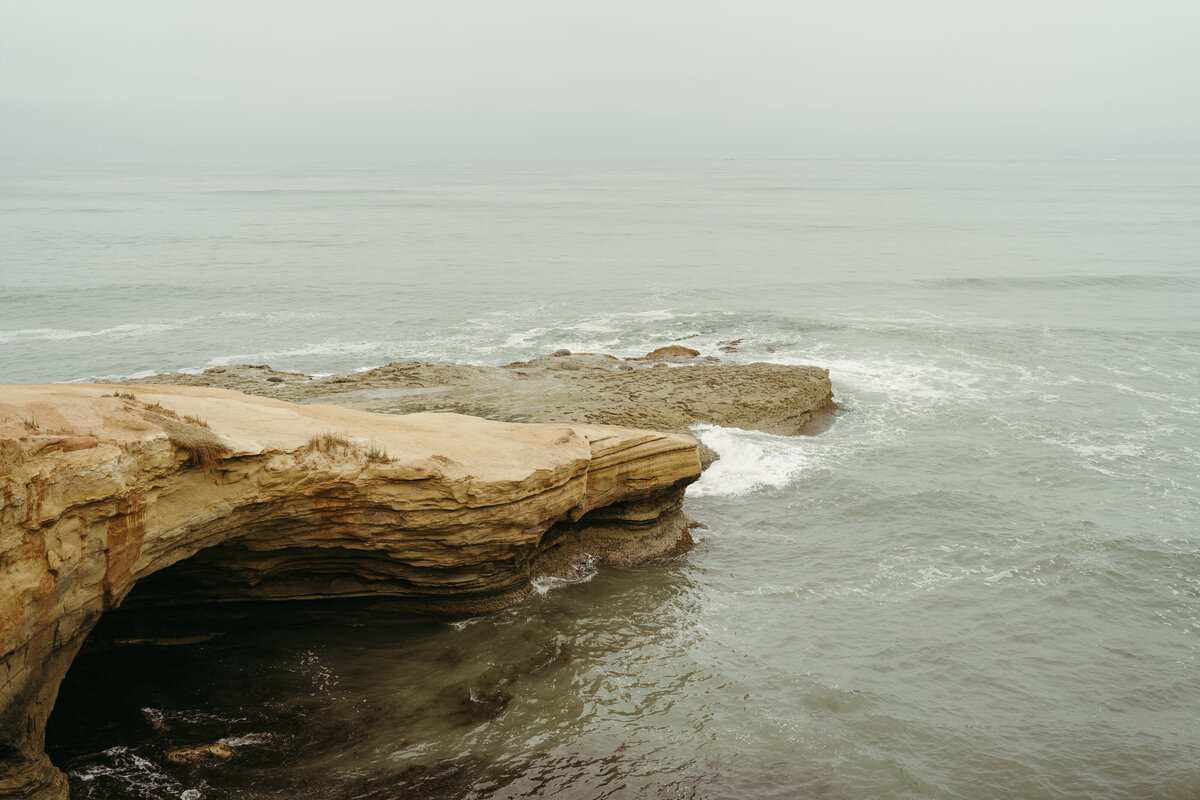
[521,78]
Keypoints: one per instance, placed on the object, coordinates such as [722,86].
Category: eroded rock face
[438,513]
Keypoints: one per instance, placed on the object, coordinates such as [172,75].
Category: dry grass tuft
[195,421]
[122,395]
[204,447]
[333,444]
[377,454]
[31,424]
[336,445]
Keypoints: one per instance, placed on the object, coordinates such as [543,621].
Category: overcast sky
[481,79]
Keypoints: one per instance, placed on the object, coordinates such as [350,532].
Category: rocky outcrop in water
[597,389]
[208,495]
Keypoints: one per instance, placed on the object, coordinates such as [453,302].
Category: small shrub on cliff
[195,421]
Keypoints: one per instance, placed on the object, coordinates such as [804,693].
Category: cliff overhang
[231,498]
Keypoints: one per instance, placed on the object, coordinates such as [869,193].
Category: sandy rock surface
[202,494]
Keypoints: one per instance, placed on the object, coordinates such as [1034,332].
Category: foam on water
[749,461]
[582,572]
[132,329]
[137,776]
[249,739]
[326,348]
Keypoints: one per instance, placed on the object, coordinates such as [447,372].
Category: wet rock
[194,755]
[670,353]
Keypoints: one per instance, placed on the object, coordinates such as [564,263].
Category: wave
[154,327]
[326,348]
[1160,281]
[133,774]
[580,573]
[127,330]
[749,461]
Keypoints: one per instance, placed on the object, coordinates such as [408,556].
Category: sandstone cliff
[223,496]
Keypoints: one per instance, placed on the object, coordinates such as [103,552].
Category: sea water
[982,581]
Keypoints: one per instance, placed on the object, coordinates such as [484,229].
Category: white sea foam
[909,384]
[749,461]
[146,373]
[154,327]
[322,675]
[326,348]
[583,572]
[127,330]
[274,316]
[621,333]
[136,775]
[159,716]
[248,739]
[877,397]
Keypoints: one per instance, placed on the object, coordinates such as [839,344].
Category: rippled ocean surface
[982,581]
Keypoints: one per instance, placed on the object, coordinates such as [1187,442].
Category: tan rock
[193,755]
[669,353]
[243,497]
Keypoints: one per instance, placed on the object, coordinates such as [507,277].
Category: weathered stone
[669,353]
[247,498]
[193,755]
[589,388]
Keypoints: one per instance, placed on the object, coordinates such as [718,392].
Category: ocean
[982,581]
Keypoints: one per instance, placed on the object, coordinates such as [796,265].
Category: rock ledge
[225,497]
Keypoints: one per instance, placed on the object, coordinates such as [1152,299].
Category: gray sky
[446,79]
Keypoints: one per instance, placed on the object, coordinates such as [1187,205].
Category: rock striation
[211,495]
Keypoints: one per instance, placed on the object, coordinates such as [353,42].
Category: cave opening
[178,694]
[168,685]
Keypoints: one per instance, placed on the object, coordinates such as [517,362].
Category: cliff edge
[227,497]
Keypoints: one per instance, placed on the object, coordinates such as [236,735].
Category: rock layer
[245,498]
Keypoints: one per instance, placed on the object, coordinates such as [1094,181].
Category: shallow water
[983,580]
